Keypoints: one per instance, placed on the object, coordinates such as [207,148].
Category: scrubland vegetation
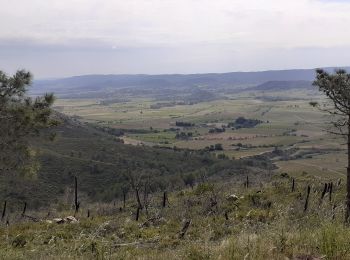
[244,175]
[228,220]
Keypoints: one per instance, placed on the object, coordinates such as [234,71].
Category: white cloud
[206,31]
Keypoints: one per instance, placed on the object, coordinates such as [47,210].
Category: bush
[203,188]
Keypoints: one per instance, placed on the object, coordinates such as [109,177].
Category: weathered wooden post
[333,211]
[293,185]
[247,182]
[24,209]
[307,198]
[4,210]
[330,190]
[164,199]
[137,213]
[324,191]
[76,203]
[124,198]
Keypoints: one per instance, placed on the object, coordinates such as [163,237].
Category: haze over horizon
[66,38]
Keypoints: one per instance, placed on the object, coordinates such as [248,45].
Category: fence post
[4,210]
[24,209]
[76,203]
[324,191]
[164,199]
[330,190]
[307,198]
[137,213]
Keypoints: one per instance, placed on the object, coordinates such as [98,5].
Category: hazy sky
[70,37]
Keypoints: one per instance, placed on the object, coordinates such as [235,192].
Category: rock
[58,220]
[232,197]
[71,219]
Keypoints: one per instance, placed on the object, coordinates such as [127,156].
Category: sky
[74,37]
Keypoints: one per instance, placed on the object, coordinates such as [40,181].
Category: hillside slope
[102,165]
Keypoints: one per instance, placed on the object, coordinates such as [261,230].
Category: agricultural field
[287,121]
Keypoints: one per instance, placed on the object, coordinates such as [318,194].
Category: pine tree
[337,88]
[21,117]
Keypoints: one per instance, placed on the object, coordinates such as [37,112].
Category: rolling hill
[92,83]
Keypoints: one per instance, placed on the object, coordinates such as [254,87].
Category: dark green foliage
[121,132]
[189,179]
[184,124]
[184,136]
[109,130]
[20,117]
[337,88]
[242,122]
[217,130]
[216,147]
[223,156]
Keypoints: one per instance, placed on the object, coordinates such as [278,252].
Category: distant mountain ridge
[282,85]
[108,82]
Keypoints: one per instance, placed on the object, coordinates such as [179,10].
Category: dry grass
[266,222]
